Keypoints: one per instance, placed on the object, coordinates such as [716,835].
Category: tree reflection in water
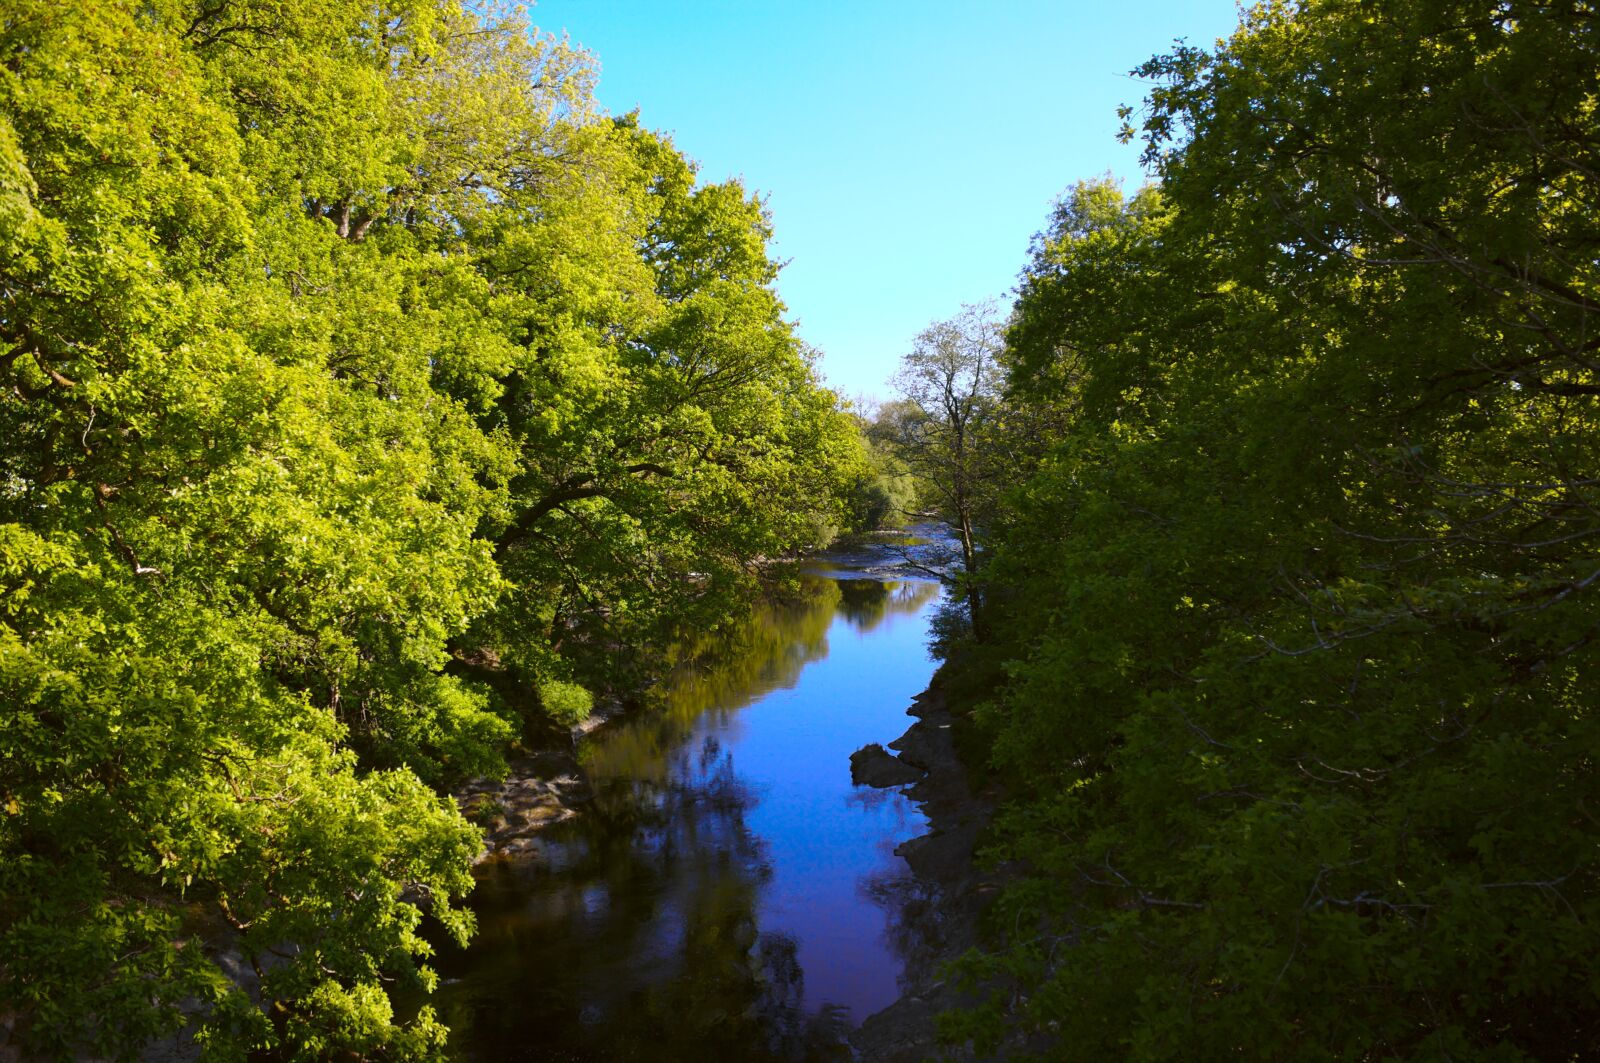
[635,930]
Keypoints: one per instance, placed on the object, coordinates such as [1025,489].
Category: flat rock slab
[875,766]
[542,789]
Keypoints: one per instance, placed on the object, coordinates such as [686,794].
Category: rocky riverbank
[546,786]
[541,788]
[937,912]
[939,915]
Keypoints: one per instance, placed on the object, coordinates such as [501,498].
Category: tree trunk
[969,561]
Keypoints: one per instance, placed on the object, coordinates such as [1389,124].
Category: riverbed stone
[543,788]
[875,766]
[951,895]
[942,855]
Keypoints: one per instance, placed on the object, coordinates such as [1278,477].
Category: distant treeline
[1290,654]
[365,394]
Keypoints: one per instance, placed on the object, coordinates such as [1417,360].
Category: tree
[882,494]
[237,531]
[668,425]
[949,383]
[410,347]
[1302,729]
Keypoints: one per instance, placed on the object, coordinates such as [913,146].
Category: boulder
[875,766]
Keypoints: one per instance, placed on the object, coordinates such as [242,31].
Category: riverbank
[545,786]
[699,878]
[938,910]
[550,851]
[542,787]
[941,912]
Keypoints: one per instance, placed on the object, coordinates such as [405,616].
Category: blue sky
[908,151]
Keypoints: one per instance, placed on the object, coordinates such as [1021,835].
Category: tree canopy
[358,373]
[1294,623]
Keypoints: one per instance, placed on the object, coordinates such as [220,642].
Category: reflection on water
[722,898]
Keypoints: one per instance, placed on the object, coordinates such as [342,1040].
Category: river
[726,893]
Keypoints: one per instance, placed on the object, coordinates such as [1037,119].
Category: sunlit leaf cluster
[365,394]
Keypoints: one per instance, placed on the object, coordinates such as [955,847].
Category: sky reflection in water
[717,899]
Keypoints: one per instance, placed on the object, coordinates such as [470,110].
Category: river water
[727,894]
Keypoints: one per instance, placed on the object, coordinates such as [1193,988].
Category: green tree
[669,427]
[949,383]
[228,568]
[1300,605]
[313,320]
[884,492]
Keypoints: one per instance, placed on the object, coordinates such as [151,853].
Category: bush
[565,702]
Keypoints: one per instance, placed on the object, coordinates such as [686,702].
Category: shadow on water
[722,860]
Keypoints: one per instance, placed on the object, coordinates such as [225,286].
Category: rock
[901,1033]
[943,856]
[875,766]
[951,893]
[600,716]
[543,788]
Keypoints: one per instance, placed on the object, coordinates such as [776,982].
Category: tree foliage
[348,354]
[944,427]
[1300,607]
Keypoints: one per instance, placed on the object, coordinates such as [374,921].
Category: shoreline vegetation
[1282,636]
[371,403]
[373,407]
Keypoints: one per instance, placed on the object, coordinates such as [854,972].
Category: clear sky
[907,150]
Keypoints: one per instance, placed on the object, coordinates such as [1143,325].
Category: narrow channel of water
[724,895]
